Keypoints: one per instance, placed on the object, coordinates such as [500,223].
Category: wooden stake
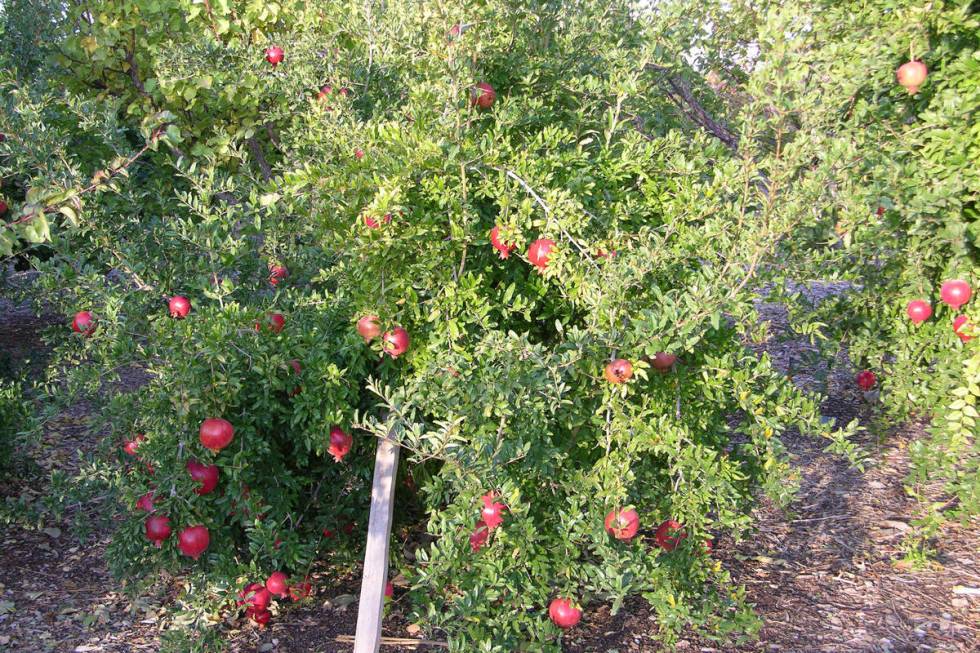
[375,577]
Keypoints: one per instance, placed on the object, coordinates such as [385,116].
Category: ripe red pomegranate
[389,590]
[344,91]
[369,327]
[145,502]
[206,475]
[216,433]
[358,154]
[395,342]
[277,273]
[327,533]
[256,596]
[709,546]
[3,207]
[866,379]
[300,591]
[493,511]
[277,584]
[663,361]
[669,534]
[274,55]
[918,311]
[881,211]
[179,306]
[260,617]
[539,253]
[3,137]
[623,524]
[157,529]
[276,322]
[619,371]
[130,446]
[911,75]
[478,539]
[601,253]
[193,541]
[340,443]
[960,325]
[564,613]
[483,95]
[324,93]
[371,223]
[455,31]
[503,248]
[955,293]
[83,323]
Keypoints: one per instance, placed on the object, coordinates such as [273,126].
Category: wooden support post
[375,577]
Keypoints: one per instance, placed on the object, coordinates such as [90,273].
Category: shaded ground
[823,577]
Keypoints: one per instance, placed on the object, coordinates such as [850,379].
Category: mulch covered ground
[824,576]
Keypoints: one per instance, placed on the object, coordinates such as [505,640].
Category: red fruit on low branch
[369,327]
[157,529]
[193,541]
[564,613]
[274,55]
[216,433]
[276,322]
[493,511]
[340,443]
[83,323]
[256,596]
[179,306]
[259,617]
[145,502]
[478,539]
[504,249]
[389,590]
[483,95]
[3,207]
[619,371]
[358,154]
[669,534]
[372,223]
[918,311]
[960,325]
[866,379]
[663,361]
[455,31]
[623,524]
[277,273]
[395,342]
[955,293]
[278,584]
[206,475]
[130,446]
[300,591]
[911,75]
[539,253]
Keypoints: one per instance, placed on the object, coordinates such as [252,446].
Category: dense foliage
[529,190]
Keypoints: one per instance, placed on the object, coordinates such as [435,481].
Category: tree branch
[679,92]
[256,150]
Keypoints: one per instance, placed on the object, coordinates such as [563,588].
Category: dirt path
[822,576]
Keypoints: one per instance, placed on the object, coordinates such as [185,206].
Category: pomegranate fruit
[623,524]
[504,249]
[483,96]
[539,253]
[663,361]
[478,539]
[369,327]
[669,534]
[300,591]
[206,475]
[493,511]
[259,617]
[274,55]
[340,443]
[298,370]
[961,324]
[955,293]
[130,446]
[83,323]
[276,322]
[619,371]
[216,433]
[179,306]
[327,533]
[157,529]
[256,596]
[277,273]
[277,584]
[395,342]
[918,311]
[455,31]
[145,502]
[3,207]
[866,380]
[911,75]
[371,223]
[564,613]
[389,590]
[193,541]
[358,154]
